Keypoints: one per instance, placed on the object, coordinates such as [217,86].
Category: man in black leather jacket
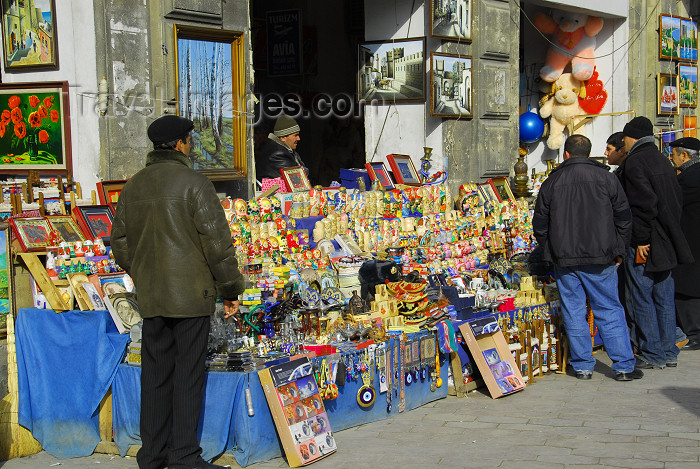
[279,150]
[582,221]
[171,235]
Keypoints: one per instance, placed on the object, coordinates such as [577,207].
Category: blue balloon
[531,127]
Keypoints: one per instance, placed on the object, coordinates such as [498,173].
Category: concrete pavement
[557,423]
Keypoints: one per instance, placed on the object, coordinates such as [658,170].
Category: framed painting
[95,221]
[35,128]
[487,193]
[403,170]
[33,233]
[502,188]
[295,178]
[688,85]
[451,85]
[391,70]
[210,76]
[688,47]
[108,191]
[378,171]
[667,94]
[669,37]
[29,35]
[5,284]
[667,136]
[451,19]
[66,227]
[691,124]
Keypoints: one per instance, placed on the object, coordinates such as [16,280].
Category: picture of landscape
[29,34]
[688,89]
[689,40]
[670,37]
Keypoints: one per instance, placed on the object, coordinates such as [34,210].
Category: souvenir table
[68,361]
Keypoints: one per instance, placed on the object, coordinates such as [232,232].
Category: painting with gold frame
[30,41]
[667,94]
[502,188]
[66,227]
[33,233]
[210,76]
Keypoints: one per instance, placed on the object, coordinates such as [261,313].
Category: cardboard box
[298,411]
[492,356]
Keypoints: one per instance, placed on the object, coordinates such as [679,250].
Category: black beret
[688,143]
[169,128]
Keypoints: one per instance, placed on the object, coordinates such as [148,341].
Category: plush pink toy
[574,38]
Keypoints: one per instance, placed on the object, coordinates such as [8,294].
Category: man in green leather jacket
[170,234]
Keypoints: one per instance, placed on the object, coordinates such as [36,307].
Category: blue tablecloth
[66,363]
[226,427]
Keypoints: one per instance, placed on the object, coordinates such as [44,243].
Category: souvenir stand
[368,286]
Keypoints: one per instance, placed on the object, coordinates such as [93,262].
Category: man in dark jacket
[658,244]
[685,154]
[170,234]
[582,221]
[279,150]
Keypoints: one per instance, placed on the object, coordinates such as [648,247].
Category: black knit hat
[169,128]
[285,125]
[638,127]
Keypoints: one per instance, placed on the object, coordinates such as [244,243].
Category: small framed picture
[502,188]
[108,191]
[377,170]
[29,35]
[95,220]
[66,227]
[295,178]
[451,20]
[667,94]
[666,138]
[33,233]
[690,123]
[688,81]
[487,193]
[688,46]
[403,169]
[451,90]
[669,37]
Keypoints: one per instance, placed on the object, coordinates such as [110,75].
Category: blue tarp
[66,363]
[226,428]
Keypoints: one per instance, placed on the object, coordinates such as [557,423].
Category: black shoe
[692,345]
[642,364]
[208,465]
[584,375]
[671,364]
[629,375]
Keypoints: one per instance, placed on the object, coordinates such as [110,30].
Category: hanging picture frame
[35,128]
[451,19]
[30,41]
[392,70]
[667,94]
[218,149]
[451,85]
[669,37]
[688,85]
[691,124]
[688,46]
[377,170]
[403,169]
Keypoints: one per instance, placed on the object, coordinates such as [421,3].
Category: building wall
[468,149]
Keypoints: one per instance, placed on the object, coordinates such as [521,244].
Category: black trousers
[688,315]
[173,353]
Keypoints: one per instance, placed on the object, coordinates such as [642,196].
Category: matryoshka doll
[341,200]
[240,209]
[276,207]
[265,209]
[99,247]
[236,233]
[253,211]
[315,195]
[303,240]
[227,204]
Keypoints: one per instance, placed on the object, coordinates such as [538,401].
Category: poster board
[492,356]
[298,411]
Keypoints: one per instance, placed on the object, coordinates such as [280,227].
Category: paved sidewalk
[559,422]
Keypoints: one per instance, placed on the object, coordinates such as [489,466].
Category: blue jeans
[651,296]
[599,283]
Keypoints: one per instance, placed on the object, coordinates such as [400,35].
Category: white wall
[612,68]
[77,65]
[409,126]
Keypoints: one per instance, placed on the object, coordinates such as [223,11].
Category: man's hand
[618,260]
[230,308]
[643,251]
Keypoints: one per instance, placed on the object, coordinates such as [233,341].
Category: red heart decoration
[594,87]
[594,104]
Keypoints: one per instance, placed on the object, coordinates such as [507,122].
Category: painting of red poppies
[34,127]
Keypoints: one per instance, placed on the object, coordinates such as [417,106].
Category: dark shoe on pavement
[642,364]
[671,364]
[692,345]
[581,374]
[208,465]
[629,375]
